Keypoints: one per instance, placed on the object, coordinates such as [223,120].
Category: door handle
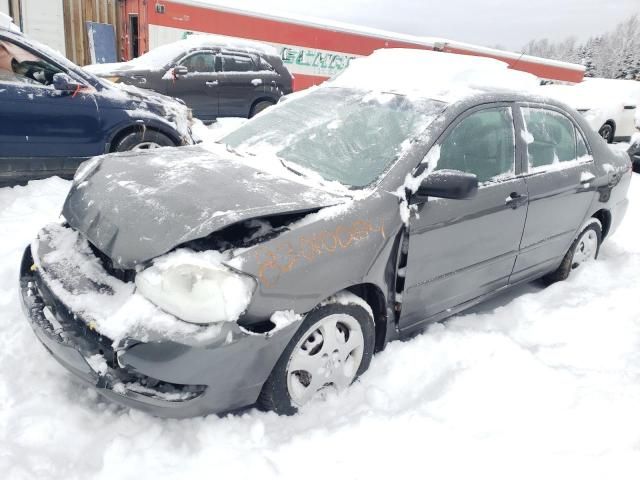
[212,83]
[587,178]
[515,200]
[140,79]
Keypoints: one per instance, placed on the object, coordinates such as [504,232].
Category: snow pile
[218,129]
[538,383]
[283,318]
[441,76]
[599,100]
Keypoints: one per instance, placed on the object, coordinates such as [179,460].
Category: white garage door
[43,20]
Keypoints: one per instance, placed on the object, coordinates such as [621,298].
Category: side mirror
[180,70]
[64,83]
[452,184]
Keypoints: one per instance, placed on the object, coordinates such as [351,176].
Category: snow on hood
[441,76]
[136,206]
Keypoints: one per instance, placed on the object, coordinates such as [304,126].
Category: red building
[313,50]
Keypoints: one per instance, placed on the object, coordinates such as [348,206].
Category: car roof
[227,43]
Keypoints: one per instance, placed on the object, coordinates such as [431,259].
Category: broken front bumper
[163,378]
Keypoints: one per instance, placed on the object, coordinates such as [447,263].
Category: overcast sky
[510,23]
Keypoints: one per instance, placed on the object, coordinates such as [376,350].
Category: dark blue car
[54,115]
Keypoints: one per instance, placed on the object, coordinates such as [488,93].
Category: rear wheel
[143,140]
[333,346]
[584,249]
[607,132]
[258,107]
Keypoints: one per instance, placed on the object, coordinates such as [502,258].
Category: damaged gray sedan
[269,268]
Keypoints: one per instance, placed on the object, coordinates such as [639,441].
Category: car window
[482,144]
[264,65]
[18,65]
[201,62]
[11,77]
[550,138]
[582,150]
[237,63]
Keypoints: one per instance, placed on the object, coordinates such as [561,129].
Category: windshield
[344,135]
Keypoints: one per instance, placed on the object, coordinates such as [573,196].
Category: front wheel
[584,249]
[143,140]
[333,346]
[258,107]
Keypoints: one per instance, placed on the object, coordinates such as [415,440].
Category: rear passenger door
[559,170]
[241,78]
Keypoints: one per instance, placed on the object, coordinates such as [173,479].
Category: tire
[577,254]
[285,390]
[258,107]
[607,131]
[143,140]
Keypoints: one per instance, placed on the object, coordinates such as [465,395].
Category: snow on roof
[211,40]
[163,55]
[442,76]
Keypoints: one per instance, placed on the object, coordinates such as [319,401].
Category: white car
[608,105]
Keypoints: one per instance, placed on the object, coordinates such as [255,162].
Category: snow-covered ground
[539,383]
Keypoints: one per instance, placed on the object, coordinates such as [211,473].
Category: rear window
[264,65]
[237,63]
[551,138]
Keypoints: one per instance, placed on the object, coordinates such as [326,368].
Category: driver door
[199,87]
[460,250]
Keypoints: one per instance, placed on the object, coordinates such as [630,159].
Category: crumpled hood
[136,206]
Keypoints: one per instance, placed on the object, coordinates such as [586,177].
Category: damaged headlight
[197,293]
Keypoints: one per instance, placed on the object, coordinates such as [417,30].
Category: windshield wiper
[291,169]
[229,148]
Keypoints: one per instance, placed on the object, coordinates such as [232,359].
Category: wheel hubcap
[328,355]
[146,146]
[586,249]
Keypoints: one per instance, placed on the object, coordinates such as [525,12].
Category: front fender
[141,121]
[323,253]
